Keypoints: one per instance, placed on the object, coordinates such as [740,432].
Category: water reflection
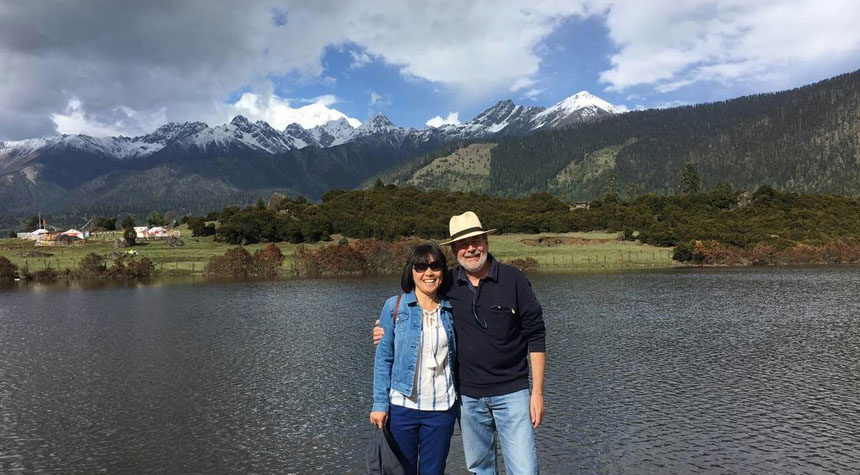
[745,371]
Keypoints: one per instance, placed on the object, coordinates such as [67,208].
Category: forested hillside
[804,140]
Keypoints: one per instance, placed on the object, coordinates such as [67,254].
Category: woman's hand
[378,418]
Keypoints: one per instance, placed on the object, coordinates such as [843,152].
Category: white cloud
[671,44]
[185,59]
[532,94]
[670,104]
[123,121]
[279,114]
[359,59]
[379,100]
[452,119]
[521,83]
[325,99]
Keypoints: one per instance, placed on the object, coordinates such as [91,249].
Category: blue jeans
[510,415]
[423,437]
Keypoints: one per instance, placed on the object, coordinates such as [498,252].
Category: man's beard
[469,267]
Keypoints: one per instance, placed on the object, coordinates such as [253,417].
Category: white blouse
[433,388]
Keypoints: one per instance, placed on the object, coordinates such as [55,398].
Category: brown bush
[8,270]
[715,253]
[44,275]
[141,269]
[267,261]
[362,257]
[93,267]
[238,262]
[235,262]
[528,264]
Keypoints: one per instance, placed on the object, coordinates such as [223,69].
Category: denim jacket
[397,352]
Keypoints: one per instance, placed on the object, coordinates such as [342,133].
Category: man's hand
[377,333]
[538,363]
[378,418]
[536,409]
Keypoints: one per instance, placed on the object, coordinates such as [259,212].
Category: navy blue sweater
[492,361]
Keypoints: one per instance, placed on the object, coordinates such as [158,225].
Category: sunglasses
[420,267]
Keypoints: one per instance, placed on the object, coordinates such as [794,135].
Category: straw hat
[465,226]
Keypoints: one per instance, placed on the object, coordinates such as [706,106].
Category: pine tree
[689,182]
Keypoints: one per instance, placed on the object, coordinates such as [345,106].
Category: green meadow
[590,251]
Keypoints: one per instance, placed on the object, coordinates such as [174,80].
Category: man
[498,323]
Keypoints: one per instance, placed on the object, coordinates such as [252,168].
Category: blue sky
[127,67]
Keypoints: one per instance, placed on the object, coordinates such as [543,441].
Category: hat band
[455,236]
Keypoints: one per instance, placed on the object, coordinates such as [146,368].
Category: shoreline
[548,253]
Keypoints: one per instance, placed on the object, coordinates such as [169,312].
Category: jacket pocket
[502,309]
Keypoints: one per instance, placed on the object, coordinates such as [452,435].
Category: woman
[413,372]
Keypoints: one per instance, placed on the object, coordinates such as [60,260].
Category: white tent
[74,232]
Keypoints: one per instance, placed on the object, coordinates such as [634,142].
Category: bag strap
[396,309]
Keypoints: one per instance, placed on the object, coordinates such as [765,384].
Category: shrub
[683,251]
[44,275]
[361,257]
[267,261]
[529,264]
[8,270]
[141,269]
[130,236]
[238,262]
[235,262]
[92,266]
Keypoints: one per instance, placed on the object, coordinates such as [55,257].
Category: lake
[673,371]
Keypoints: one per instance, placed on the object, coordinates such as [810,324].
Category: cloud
[532,94]
[438,121]
[325,99]
[521,83]
[279,114]
[379,100]
[125,121]
[185,57]
[670,45]
[359,59]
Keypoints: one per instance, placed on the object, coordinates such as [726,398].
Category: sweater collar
[493,274]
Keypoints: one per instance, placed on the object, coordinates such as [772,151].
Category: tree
[129,235]
[154,219]
[171,218]
[689,182]
[260,204]
[33,223]
[610,186]
[127,222]
[107,224]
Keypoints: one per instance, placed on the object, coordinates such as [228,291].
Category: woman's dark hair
[422,254]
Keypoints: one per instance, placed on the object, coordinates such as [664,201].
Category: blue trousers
[508,414]
[423,437]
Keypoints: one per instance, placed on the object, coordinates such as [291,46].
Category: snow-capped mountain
[242,159]
[504,118]
[580,107]
[333,132]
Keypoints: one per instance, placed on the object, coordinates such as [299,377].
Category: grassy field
[591,252]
